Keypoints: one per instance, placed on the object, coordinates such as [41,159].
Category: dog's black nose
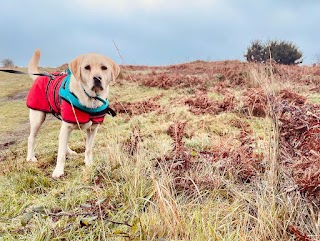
[97,81]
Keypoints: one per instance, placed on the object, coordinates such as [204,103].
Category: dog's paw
[71,152]
[57,173]
[88,162]
[32,159]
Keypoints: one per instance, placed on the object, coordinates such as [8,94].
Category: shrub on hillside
[256,52]
[282,52]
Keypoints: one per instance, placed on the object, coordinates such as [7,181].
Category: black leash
[111,112]
[12,71]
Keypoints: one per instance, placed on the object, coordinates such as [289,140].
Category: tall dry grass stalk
[263,76]
[268,195]
[169,209]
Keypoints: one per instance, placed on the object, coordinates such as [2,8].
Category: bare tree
[7,63]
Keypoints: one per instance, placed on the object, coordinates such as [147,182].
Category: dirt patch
[21,95]
[6,144]
[11,138]
[18,96]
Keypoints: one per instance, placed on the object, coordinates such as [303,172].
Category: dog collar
[65,93]
[94,97]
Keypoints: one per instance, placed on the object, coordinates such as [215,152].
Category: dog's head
[95,72]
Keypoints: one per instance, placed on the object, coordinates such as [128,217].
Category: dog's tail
[33,64]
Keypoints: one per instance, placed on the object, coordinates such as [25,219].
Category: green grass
[138,200]
[12,84]
[16,113]
[313,97]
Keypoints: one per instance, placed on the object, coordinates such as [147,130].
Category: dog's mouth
[97,89]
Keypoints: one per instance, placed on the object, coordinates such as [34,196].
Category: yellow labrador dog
[78,98]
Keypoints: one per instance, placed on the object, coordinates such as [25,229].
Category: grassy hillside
[198,151]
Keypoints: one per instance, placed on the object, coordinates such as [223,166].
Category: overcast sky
[154,32]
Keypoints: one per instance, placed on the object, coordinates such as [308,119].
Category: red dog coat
[44,96]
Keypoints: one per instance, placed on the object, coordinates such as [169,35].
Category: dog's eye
[87,67]
[104,67]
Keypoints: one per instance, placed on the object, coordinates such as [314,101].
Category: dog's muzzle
[97,85]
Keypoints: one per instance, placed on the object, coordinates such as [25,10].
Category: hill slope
[203,150]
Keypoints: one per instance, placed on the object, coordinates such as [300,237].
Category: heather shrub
[281,52]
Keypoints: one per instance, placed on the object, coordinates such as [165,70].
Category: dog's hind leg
[36,119]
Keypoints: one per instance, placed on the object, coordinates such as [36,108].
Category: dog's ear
[74,66]
[115,71]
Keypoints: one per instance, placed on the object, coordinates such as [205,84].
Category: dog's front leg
[63,147]
[91,133]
